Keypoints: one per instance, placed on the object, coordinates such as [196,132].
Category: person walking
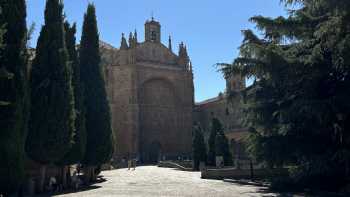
[134,161]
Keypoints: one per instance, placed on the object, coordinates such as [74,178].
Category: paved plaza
[151,181]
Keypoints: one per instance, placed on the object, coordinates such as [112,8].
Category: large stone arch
[158,103]
[158,91]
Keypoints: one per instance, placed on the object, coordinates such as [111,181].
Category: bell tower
[152,31]
[235,83]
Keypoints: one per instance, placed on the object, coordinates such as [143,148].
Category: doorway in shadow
[154,152]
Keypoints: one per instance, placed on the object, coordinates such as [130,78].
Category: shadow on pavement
[266,192]
[72,191]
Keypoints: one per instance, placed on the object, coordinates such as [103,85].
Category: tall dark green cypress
[211,142]
[199,148]
[222,148]
[13,94]
[218,144]
[98,121]
[51,124]
[76,154]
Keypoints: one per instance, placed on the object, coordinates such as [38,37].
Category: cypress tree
[218,144]
[199,148]
[13,94]
[211,143]
[215,126]
[222,148]
[98,121]
[77,152]
[51,124]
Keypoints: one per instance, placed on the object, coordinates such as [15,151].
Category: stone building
[151,95]
[227,108]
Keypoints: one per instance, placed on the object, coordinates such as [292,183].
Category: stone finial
[181,46]
[183,51]
[135,37]
[131,40]
[170,45]
[123,44]
[183,56]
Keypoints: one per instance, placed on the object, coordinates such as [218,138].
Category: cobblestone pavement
[151,181]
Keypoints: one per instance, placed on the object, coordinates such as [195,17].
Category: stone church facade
[151,95]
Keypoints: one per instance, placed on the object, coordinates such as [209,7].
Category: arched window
[153,36]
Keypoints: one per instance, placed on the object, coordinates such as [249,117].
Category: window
[153,35]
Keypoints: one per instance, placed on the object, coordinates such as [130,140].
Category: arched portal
[159,118]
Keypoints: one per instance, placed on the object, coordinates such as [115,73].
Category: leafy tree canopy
[298,106]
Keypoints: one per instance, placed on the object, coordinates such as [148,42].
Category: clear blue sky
[210,29]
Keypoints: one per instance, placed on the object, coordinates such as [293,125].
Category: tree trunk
[64,176]
[93,174]
[42,178]
[251,170]
[87,174]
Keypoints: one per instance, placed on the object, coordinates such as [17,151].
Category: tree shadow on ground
[83,188]
[264,191]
